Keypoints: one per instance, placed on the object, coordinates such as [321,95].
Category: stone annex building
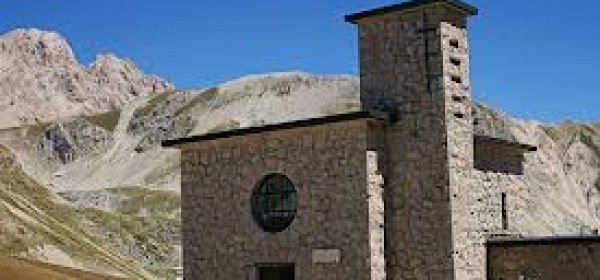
[403,189]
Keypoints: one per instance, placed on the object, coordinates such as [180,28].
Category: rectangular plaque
[326,255]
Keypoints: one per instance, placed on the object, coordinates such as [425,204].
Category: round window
[274,203]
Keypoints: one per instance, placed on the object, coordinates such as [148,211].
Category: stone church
[393,191]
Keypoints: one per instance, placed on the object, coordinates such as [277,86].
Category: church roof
[478,138]
[353,18]
[279,126]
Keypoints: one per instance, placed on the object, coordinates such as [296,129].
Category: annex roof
[543,240]
[504,142]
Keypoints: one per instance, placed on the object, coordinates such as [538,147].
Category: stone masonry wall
[405,69]
[482,220]
[575,259]
[376,216]
[459,122]
[329,238]
[478,217]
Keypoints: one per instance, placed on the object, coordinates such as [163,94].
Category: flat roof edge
[353,18]
[505,142]
[278,126]
[542,240]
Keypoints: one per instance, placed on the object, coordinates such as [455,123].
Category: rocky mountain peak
[109,62]
[37,46]
[41,80]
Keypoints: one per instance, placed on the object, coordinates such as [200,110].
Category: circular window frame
[270,210]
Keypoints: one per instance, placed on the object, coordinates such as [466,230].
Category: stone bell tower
[414,66]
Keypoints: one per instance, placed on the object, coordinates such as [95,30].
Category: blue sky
[534,59]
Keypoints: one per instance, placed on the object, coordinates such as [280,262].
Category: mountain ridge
[41,80]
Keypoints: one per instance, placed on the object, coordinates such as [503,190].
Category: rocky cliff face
[40,80]
[64,141]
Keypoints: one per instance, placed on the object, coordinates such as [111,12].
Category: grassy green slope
[22,269]
[107,120]
[32,216]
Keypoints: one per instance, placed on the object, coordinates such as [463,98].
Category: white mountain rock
[41,80]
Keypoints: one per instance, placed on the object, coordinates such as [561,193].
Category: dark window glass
[274,203]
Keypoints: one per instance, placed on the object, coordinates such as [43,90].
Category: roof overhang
[279,126]
[503,142]
[543,240]
[467,8]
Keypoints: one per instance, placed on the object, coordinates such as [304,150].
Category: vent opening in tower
[455,61]
[458,98]
[456,79]
[454,43]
